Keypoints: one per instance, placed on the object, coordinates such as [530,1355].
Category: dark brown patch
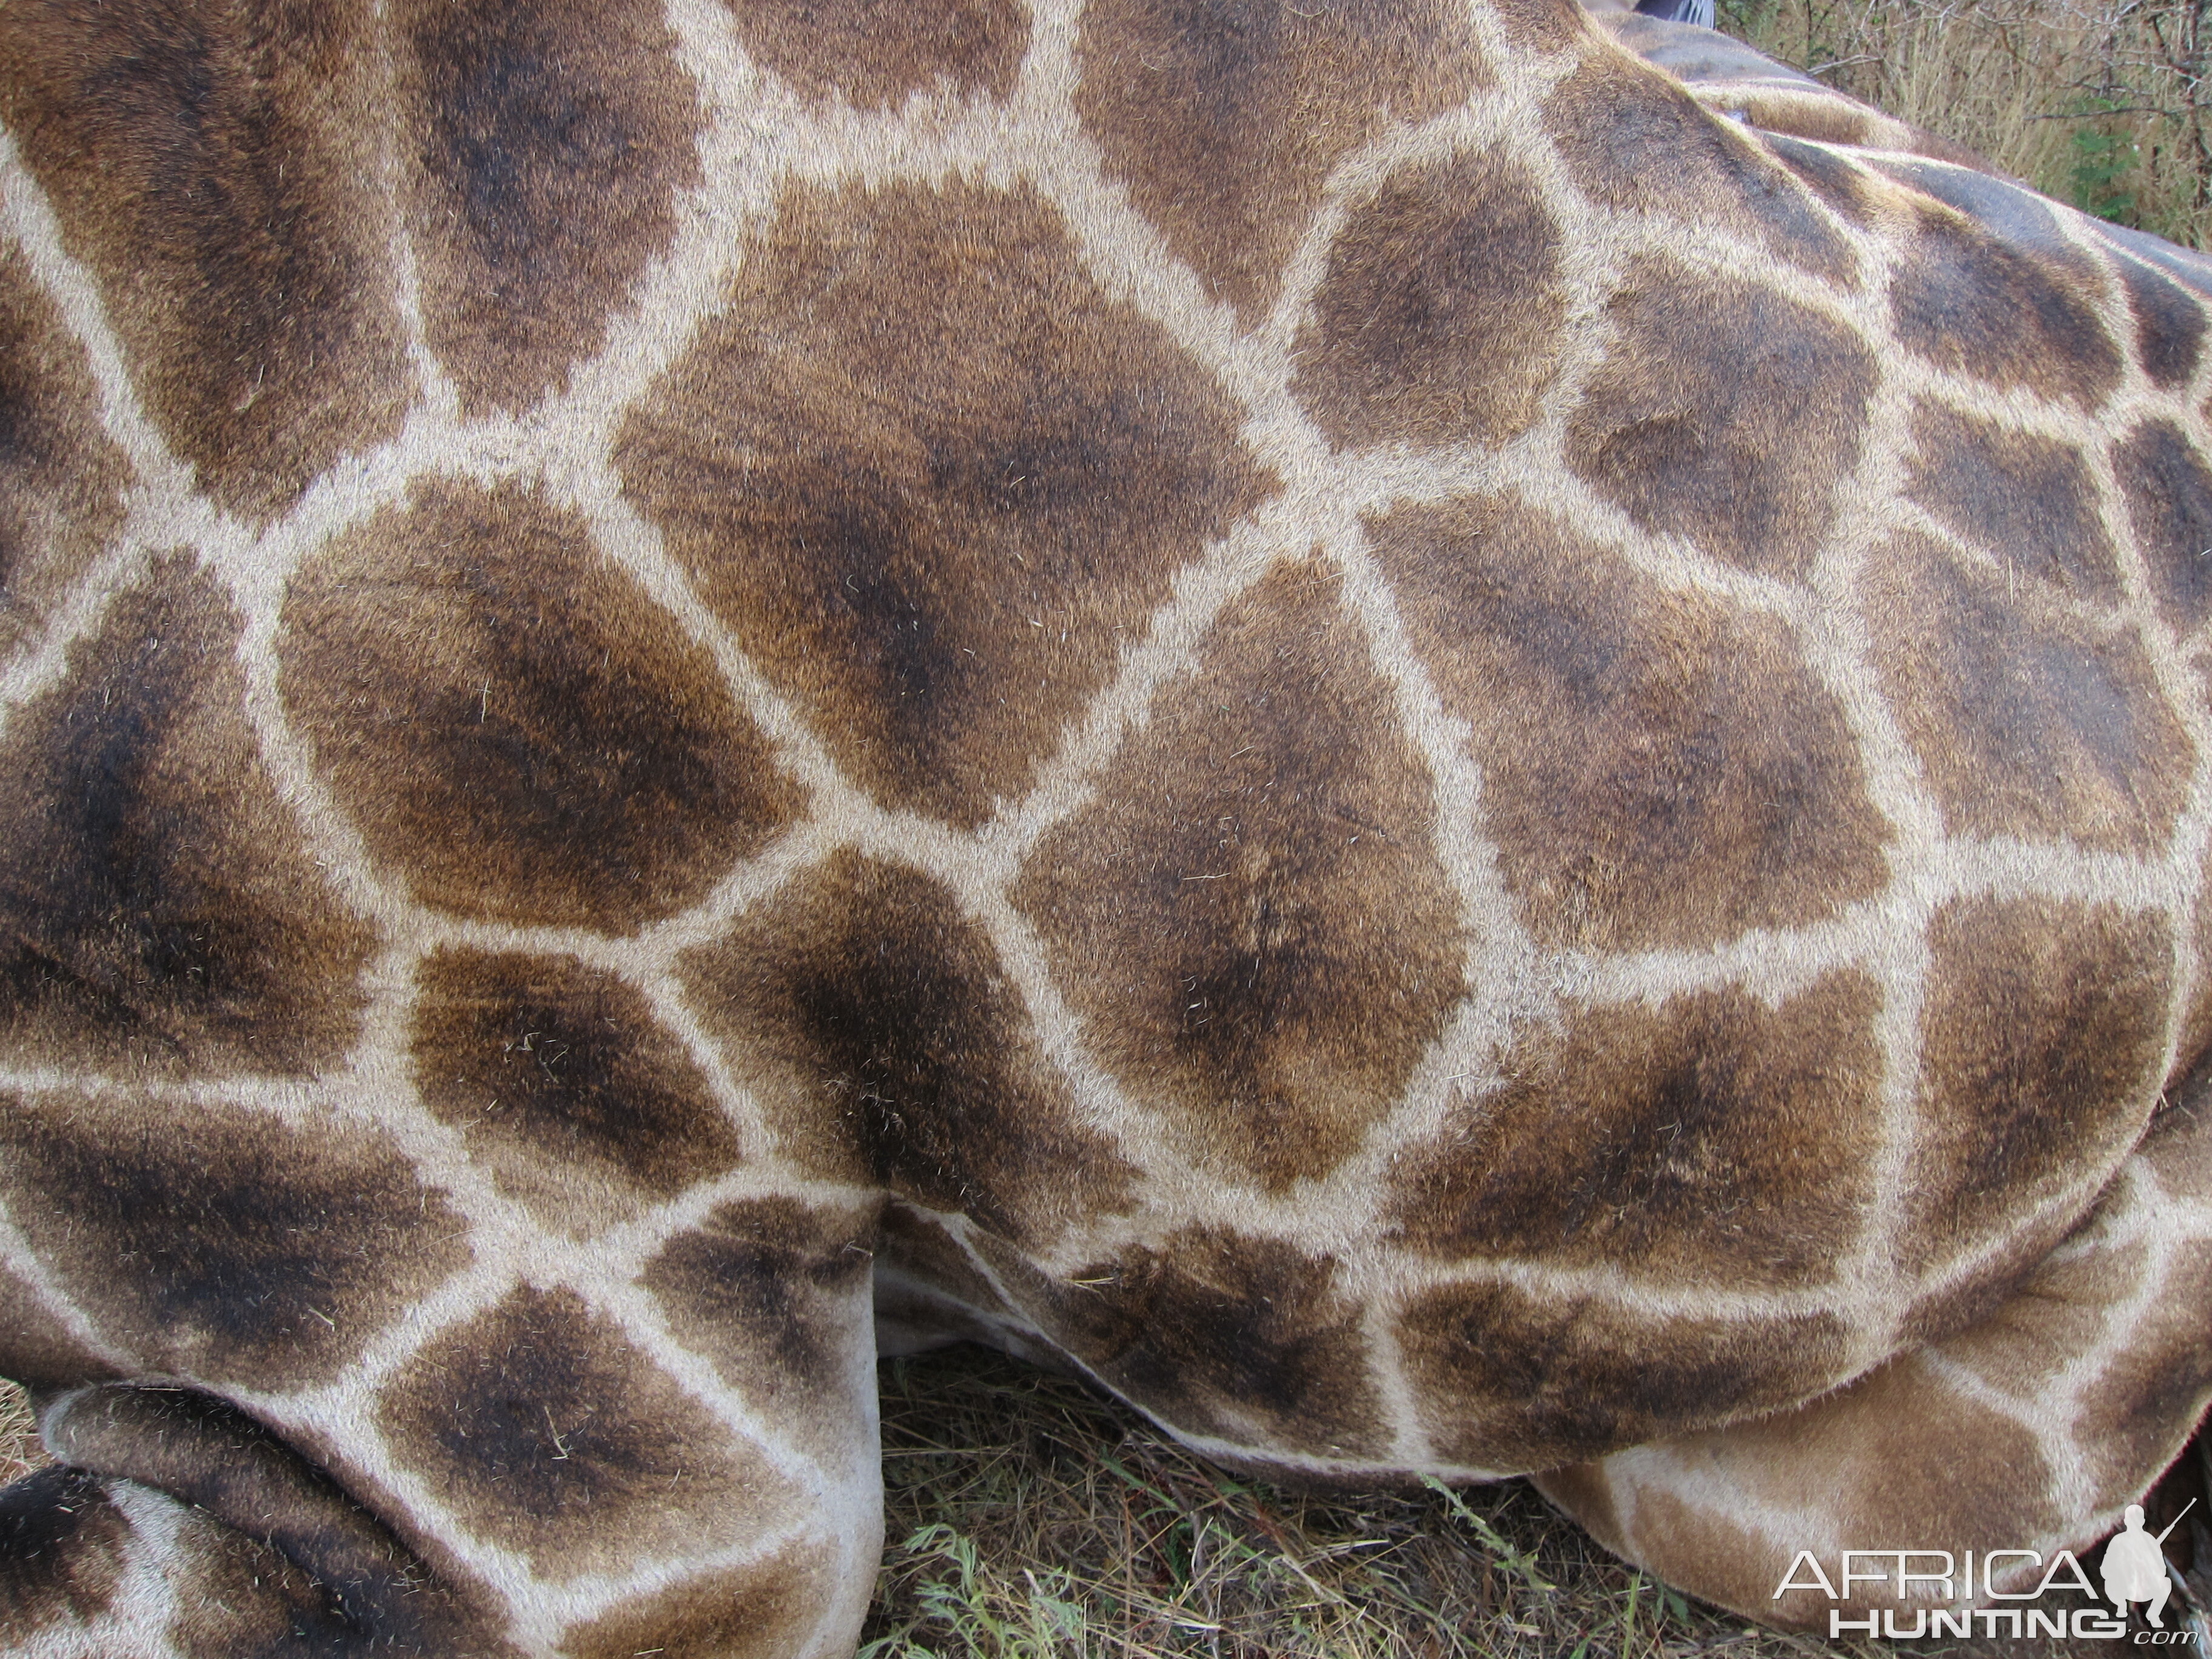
[875,52]
[36,1348]
[2150,1394]
[220,1244]
[1709,1141]
[1541,25]
[214,161]
[874,1023]
[2041,1039]
[582,1105]
[1613,119]
[2168,490]
[1510,1381]
[551,1436]
[1225,119]
[61,1552]
[547,142]
[763,1610]
[2065,1309]
[1658,770]
[914,1243]
[1724,414]
[2031,501]
[2169,325]
[1247,1340]
[934,480]
[1438,321]
[1250,915]
[1831,178]
[1973,304]
[61,478]
[2028,721]
[282,1562]
[157,908]
[521,734]
[776,1292]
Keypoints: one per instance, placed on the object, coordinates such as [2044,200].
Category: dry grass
[19,1451]
[2101,103]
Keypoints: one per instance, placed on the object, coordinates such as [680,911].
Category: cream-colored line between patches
[1399,1402]
[24,1265]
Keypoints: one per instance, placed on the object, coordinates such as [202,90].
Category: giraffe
[1447,760]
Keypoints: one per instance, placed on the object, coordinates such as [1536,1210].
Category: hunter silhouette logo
[2135,1565]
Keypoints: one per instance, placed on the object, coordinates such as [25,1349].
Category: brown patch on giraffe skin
[1224,120]
[278,1554]
[61,477]
[1658,770]
[2027,720]
[1218,1333]
[2041,1040]
[1541,25]
[1711,1140]
[761,1610]
[1509,1381]
[1249,917]
[1613,116]
[223,1244]
[1438,321]
[1724,414]
[214,163]
[874,1023]
[934,480]
[916,1243]
[1830,177]
[875,53]
[2031,501]
[2150,1394]
[581,1104]
[2169,325]
[62,1542]
[1973,304]
[546,143]
[36,1349]
[1726,1560]
[158,910]
[2168,489]
[776,1292]
[551,1436]
[520,733]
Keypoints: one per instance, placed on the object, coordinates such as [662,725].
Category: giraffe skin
[1444,759]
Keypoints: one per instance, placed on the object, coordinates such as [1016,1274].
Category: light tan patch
[874,1023]
[158,910]
[1724,414]
[776,1292]
[763,1610]
[222,1243]
[1711,1142]
[1508,1381]
[550,1435]
[2031,501]
[1439,319]
[1225,121]
[2028,721]
[520,733]
[1249,1339]
[1249,917]
[874,53]
[546,142]
[583,1106]
[1658,770]
[213,161]
[1615,120]
[2040,1045]
[934,480]
[61,479]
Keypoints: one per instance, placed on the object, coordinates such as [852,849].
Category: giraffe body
[1352,715]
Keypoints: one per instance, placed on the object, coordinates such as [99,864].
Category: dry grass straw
[2100,103]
